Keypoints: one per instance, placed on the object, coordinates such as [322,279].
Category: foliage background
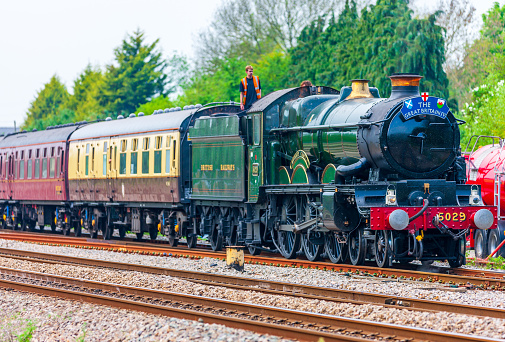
[328,42]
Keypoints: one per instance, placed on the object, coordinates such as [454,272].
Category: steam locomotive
[313,171]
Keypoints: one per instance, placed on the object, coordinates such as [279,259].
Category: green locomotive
[337,174]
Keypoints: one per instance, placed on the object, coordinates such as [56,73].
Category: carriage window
[78,158]
[115,156]
[52,151]
[134,157]
[157,155]
[29,171]
[22,154]
[146,143]
[145,162]
[104,161]
[122,163]
[104,166]
[145,155]
[45,153]
[86,166]
[133,166]
[174,148]
[21,168]
[52,167]
[122,157]
[37,153]
[62,164]
[93,159]
[257,130]
[37,169]
[44,168]
[87,148]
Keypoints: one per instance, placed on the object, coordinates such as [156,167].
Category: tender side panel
[134,168]
[218,158]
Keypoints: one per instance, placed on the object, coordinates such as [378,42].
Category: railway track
[269,287]
[485,279]
[258,318]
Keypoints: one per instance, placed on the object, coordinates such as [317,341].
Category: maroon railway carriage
[33,176]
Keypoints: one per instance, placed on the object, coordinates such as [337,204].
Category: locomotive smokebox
[414,136]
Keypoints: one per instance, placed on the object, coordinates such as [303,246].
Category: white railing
[499,171]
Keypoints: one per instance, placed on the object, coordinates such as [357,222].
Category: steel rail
[484,278]
[232,322]
[286,316]
[271,287]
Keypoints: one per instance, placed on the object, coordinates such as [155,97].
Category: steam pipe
[349,170]
[423,209]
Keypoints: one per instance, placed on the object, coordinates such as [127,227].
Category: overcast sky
[43,38]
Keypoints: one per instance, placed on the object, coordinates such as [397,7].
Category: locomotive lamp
[474,196]
[391,197]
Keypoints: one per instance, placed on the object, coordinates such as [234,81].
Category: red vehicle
[486,167]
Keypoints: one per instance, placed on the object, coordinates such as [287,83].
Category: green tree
[484,58]
[220,85]
[384,39]
[483,75]
[274,71]
[248,29]
[159,102]
[47,105]
[137,76]
[85,101]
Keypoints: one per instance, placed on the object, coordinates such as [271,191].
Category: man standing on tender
[250,89]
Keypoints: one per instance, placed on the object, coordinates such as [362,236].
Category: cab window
[257,130]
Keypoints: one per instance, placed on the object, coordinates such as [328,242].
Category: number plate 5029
[452,217]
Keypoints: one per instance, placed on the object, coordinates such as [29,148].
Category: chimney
[404,85]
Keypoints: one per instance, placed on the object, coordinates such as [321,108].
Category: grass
[27,334]
[83,335]
[493,263]
[16,329]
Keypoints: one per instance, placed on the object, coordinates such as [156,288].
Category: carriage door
[255,156]
[111,171]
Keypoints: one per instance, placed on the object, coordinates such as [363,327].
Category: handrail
[500,141]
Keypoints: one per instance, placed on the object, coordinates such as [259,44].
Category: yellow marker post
[235,257]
